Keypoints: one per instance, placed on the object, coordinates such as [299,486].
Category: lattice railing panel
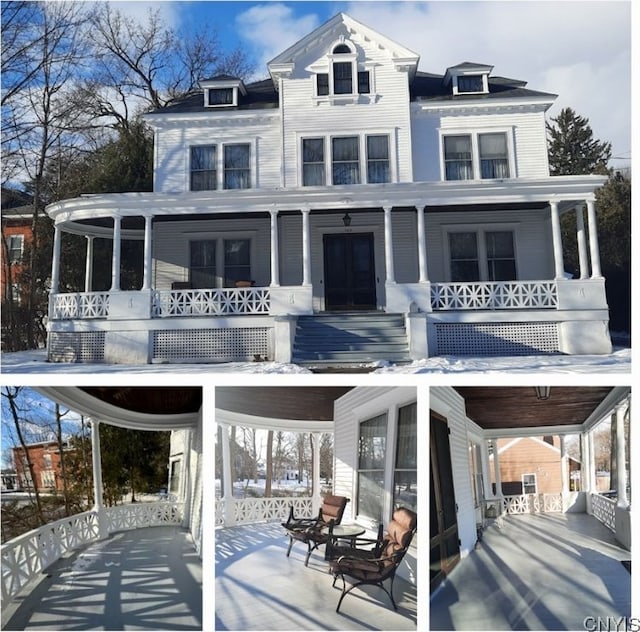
[494,295]
[496,338]
[24,557]
[533,503]
[266,509]
[604,509]
[135,516]
[211,302]
[80,305]
[76,346]
[214,345]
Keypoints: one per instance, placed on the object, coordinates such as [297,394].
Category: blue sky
[578,49]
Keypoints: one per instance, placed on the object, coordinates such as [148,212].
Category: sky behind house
[577,49]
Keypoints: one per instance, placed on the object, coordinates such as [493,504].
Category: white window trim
[485,83]
[475,149]
[234,100]
[362,158]
[219,237]
[20,238]
[535,482]
[253,162]
[480,231]
[389,404]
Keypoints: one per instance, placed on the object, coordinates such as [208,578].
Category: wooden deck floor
[259,588]
[145,579]
[539,572]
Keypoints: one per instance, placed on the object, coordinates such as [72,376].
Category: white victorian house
[348,208]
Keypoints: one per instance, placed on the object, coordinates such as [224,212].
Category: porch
[538,572]
[143,579]
[259,588]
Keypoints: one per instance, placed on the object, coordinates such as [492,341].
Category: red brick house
[45,457]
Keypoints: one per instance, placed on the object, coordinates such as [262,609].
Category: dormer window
[470,83]
[468,78]
[222,91]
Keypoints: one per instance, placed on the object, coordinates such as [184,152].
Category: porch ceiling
[498,408]
[280,402]
[137,407]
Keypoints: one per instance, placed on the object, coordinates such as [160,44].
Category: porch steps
[350,338]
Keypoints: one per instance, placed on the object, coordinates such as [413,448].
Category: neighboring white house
[416,206]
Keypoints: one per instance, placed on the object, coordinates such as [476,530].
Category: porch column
[582,243]
[621,471]
[591,471]
[98,506]
[148,252]
[275,269]
[316,499]
[388,246]
[594,248]
[564,466]
[115,261]
[486,469]
[557,240]
[585,477]
[55,261]
[422,246]
[496,468]
[227,481]
[88,265]
[306,247]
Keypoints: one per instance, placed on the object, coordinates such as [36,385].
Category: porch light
[543,392]
[346,220]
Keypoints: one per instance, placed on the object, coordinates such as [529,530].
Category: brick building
[45,457]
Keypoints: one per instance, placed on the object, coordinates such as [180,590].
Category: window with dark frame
[237,261]
[313,165]
[363,82]
[322,84]
[501,258]
[202,263]
[342,77]
[220,96]
[463,253]
[470,83]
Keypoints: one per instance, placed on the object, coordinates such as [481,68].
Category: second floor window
[476,156]
[378,159]
[342,78]
[203,168]
[345,160]
[313,173]
[237,173]
[15,245]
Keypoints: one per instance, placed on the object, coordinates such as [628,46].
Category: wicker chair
[379,561]
[314,531]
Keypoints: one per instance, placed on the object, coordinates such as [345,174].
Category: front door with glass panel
[349,272]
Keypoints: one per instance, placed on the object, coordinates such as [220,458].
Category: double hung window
[482,256]
[345,160]
[406,465]
[313,169]
[202,266]
[203,168]
[215,262]
[529,484]
[372,450]
[343,77]
[237,173]
[476,156]
[15,245]
[220,96]
[378,159]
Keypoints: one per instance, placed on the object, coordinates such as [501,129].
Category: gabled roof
[331,30]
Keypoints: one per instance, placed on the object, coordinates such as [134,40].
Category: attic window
[341,49]
[221,96]
[470,83]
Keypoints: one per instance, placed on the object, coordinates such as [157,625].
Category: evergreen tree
[572,148]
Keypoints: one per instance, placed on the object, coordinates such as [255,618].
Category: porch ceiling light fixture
[346,220]
[543,392]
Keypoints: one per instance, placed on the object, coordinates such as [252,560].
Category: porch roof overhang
[138,407]
[287,409]
[76,215]
[515,411]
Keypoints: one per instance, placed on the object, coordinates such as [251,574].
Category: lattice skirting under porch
[487,339]
[212,345]
[76,346]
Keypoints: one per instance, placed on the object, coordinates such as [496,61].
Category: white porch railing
[604,509]
[248,510]
[24,557]
[80,305]
[533,503]
[494,295]
[211,302]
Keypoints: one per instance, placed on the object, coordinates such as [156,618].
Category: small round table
[339,532]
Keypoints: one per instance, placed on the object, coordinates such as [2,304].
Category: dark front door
[349,272]
[444,549]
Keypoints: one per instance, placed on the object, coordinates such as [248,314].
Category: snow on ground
[31,362]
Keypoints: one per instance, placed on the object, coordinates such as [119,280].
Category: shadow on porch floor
[539,572]
[259,588]
[144,579]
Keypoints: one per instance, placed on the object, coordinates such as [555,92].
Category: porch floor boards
[144,579]
[539,572]
[259,588]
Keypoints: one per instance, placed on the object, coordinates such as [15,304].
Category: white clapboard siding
[172,147]
[447,402]
[529,140]
[532,239]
